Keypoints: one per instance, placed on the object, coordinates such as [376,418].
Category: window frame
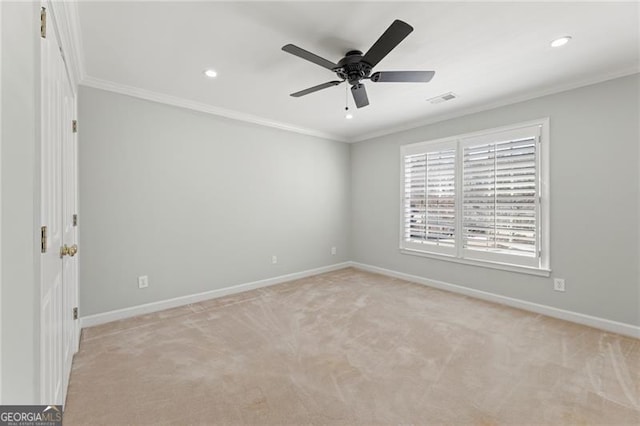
[539,265]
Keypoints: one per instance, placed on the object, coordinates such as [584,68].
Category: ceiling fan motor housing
[352,68]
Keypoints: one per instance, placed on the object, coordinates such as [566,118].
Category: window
[477,198]
[429,198]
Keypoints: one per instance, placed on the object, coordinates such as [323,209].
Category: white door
[70,329]
[51,219]
[59,331]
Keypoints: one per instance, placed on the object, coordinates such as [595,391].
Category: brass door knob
[68,251]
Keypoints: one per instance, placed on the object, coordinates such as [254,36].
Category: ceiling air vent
[443,98]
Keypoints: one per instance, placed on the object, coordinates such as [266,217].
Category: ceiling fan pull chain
[346,97]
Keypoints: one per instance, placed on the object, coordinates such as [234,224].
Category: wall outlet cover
[143,281]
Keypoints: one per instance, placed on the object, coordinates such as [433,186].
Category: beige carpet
[350,347]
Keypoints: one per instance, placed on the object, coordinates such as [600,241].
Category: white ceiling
[486,53]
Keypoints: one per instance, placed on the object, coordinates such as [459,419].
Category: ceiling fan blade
[402,76]
[360,95]
[311,57]
[396,32]
[316,88]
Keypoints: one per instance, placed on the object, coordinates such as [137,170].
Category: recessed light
[560,41]
[210,73]
[348,116]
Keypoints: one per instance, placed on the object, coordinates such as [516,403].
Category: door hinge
[43,22]
[75,313]
[74,126]
[43,239]
[75,219]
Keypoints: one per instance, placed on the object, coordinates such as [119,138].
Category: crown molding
[236,115]
[497,104]
[66,22]
[201,107]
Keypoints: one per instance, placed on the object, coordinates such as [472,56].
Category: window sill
[482,263]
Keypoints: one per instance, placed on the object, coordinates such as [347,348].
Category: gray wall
[199,202]
[20,168]
[594,201]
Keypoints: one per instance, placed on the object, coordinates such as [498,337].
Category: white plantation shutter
[477,198]
[500,196]
[429,216]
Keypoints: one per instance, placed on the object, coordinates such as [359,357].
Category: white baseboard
[97,319]
[591,321]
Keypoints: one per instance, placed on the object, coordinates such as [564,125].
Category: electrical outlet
[143,281]
[274,259]
[333,251]
[558,284]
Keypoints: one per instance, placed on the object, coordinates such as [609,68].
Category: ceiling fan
[355,66]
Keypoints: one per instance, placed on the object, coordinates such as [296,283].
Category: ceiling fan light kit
[356,67]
